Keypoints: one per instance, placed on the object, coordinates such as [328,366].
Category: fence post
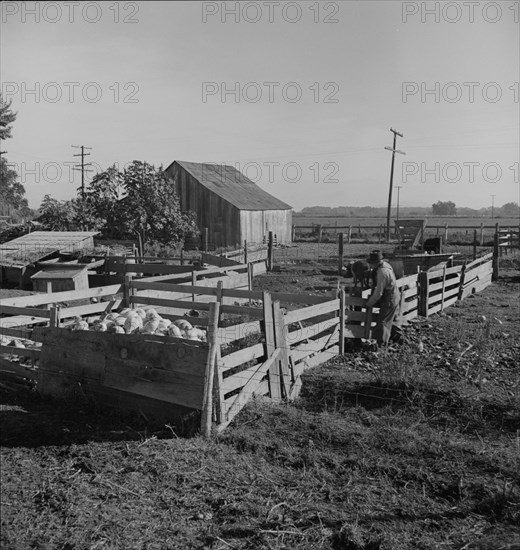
[245,252]
[182,256]
[380,233]
[423,294]
[340,253]
[250,279]
[446,233]
[207,405]
[474,244]
[54,320]
[270,252]
[293,233]
[127,291]
[481,234]
[342,321]
[462,281]
[349,237]
[270,344]
[443,286]
[495,255]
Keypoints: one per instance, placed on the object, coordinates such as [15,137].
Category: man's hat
[375,257]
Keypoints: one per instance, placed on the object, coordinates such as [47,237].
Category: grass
[400,450]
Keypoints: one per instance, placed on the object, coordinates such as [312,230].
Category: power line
[81,167]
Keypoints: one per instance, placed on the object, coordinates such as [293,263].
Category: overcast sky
[300,96]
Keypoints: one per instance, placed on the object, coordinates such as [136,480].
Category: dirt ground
[413,449]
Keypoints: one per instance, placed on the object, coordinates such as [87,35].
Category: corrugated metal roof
[230,184]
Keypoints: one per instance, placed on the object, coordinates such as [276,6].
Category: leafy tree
[151,209]
[139,202]
[444,208]
[510,210]
[11,190]
[7,117]
[57,215]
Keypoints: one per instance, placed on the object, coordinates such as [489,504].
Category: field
[416,448]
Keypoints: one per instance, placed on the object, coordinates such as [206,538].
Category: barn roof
[230,184]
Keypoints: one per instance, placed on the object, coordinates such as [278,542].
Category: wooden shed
[19,256]
[60,277]
[232,207]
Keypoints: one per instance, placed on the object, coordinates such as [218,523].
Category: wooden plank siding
[256,224]
[220,217]
[229,224]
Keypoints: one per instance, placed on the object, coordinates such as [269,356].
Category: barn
[232,207]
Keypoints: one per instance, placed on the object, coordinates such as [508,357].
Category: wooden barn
[232,207]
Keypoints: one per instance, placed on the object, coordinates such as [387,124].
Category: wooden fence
[261,348]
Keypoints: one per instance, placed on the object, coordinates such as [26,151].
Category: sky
[300,96]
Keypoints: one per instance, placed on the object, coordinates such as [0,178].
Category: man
[387,297]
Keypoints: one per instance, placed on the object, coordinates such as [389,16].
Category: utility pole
[394,151]
[398,187]
[492,206]
[81,167]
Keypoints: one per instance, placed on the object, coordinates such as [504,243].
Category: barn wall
[221,218]
[256,224]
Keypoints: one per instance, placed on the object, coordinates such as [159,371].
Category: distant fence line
[358,230]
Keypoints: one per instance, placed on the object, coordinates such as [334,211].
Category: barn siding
[227,225]
[221,218]
[256,224]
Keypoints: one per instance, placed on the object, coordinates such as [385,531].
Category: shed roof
[40,244]
[58,274]
[230,184]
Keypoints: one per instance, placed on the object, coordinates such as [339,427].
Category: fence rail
[264,351]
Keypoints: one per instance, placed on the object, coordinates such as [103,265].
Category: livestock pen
[258,343]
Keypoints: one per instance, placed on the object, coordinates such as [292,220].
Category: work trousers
[388,324]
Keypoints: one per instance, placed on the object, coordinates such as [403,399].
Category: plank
[281,343]
[236,332]
[21,321]
[34,354]
[26,311]
[20,332]
[440,306]
[314,346]
[150,301]
[249,389]
[90,309]
[305,333]
[242,356]
[319,358]
[169,287]
[275,389]
[11,367]
[173,386]
[312,311]
[65,296]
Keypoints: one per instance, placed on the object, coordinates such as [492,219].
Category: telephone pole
[82,165]
[398,187]
[394,151]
